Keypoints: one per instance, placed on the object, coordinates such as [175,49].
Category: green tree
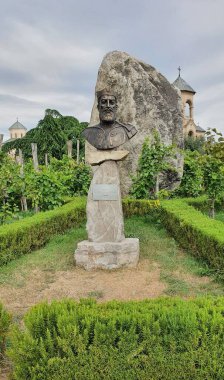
[152,162]
[213,170]
[214,145]
[51,135]
[192,180]
[75,177]
[43,188]
[11,186]
[194,144]
[213,167]
[73,130]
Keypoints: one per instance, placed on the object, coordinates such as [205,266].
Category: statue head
[107,106]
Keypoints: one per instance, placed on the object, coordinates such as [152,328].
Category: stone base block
[107,255]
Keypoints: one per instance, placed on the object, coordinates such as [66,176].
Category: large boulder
[146,100]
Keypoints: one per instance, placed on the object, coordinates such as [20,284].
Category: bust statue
[109,133]
[106,247]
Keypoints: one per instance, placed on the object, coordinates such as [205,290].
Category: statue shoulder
[91,131]
[94,135]
[131,130]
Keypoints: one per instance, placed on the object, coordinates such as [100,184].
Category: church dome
[17,125]
[182,85]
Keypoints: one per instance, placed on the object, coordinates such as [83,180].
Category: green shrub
[202,204]
[153,161]
[28,234]
[195,231]
[5,320]
[44,189]
[75,177]
[203,236]
[191,182]
[194,144]
[11,185]
[24,236]
[139,206]
[162,339]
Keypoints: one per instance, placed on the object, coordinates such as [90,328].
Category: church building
[187,95]
[17,130]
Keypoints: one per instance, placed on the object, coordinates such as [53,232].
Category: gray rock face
[146,100]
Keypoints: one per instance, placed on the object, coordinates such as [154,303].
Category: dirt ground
[122,284]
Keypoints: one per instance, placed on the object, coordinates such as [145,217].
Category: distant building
[187,95]
[17,130]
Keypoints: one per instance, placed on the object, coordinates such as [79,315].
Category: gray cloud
[51,52]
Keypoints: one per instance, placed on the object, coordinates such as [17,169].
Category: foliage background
[44,189]
[51,135]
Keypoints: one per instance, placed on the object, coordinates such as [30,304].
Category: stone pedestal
[107,255]
[106,247]
[105,217]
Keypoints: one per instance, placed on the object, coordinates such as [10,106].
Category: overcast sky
[51,50]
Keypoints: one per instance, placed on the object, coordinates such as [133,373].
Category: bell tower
[187,95]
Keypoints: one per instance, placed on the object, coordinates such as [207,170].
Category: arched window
[190,133]
[188,109]
[16,135]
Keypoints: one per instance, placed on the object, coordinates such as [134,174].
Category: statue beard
[107,115]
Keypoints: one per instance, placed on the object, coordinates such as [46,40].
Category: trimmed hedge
[26,235]
[33,232]
[139,206]
[193,230]
[202,204]
[161,339]
[5,320]
[203,236]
